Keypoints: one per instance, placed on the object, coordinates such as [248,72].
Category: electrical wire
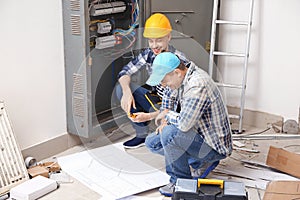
[254,133]
[128,34]
[134,17]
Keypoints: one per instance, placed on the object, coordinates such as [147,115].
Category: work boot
[203,171]
[134,143]
[196,173]
[167,190]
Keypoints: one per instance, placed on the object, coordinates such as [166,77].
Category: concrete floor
[78,191]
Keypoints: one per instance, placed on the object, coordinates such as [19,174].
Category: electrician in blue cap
[200,131]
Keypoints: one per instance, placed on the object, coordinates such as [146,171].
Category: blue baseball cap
[163,63]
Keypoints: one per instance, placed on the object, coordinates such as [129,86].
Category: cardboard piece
[284,161]
[38,170]
[278,190]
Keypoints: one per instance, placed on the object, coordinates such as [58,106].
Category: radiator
[12,167]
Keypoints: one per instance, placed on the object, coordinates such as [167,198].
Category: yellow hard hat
[157,26]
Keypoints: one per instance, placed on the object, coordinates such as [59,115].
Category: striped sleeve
[137,63]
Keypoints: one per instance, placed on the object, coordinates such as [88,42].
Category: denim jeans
[142,105]
[181,149]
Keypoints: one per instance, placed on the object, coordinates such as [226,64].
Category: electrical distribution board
[97,35]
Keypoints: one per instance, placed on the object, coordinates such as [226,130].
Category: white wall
[32,69]
[32,66]
[273,84]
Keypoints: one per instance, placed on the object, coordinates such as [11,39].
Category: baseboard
[256,118]
[51,147]
[61,143]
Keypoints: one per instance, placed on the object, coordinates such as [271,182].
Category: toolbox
[209,189]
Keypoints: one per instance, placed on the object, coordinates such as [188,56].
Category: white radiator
[12,167]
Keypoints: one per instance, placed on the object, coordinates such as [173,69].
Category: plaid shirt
[145,59]
[202,109]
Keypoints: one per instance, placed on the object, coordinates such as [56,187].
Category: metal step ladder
[244,55]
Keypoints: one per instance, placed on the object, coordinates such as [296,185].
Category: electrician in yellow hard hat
[141,102]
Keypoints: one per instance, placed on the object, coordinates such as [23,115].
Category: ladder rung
[219,53]
[233,116]
[231,22]
[229,85]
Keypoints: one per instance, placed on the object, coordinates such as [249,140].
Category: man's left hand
[161,126]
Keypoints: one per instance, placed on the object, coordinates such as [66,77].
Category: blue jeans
[142,105]
[181,149]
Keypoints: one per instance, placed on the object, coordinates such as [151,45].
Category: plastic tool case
[209,189]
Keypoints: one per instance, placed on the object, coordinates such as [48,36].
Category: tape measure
[290,126]
[30,162]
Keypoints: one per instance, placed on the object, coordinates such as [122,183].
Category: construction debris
[38,170]
[278,190]
[290,126]
[284,161]
[51,166]
[44,169]
[266,137]
[247,150]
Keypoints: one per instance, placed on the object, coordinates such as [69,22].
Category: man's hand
[140,117]
[143,117]
[127,101]
[160,117]
[161,126]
